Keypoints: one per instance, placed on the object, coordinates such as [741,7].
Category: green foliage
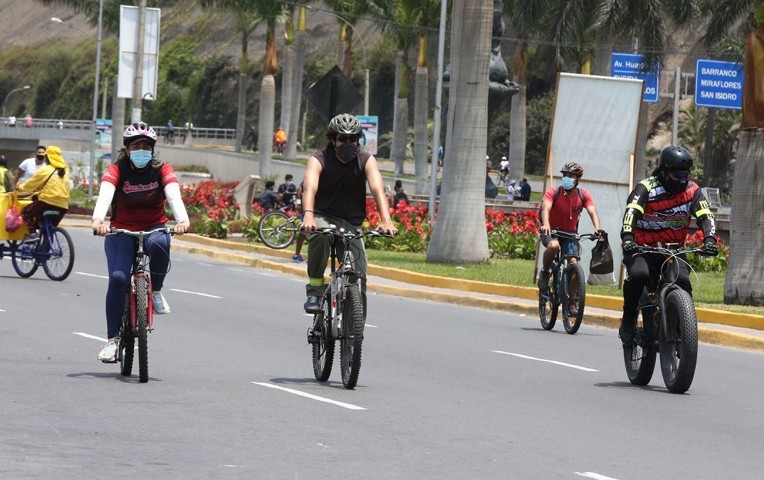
[539,119]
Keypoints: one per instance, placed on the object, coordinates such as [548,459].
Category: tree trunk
[460,234]
[398,151]
[297,76]
[420,131]
[241,111]
[267,113]
[399,55]
[287,84]
[517,134]
[744,283]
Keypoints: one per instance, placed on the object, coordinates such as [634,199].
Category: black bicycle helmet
[675,157]
[574,168]
[346,124]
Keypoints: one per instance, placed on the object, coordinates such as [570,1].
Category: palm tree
[296,85]
[744,283]
[460,233]
[246,20]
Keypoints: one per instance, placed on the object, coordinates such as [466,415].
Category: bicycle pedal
[312,336]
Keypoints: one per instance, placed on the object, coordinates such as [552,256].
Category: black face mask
[674,186]
[347,152]
[40,157]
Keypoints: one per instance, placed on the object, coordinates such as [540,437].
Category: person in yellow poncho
[50,184]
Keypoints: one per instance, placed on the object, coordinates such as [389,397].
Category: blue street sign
[719,84]
[627,65]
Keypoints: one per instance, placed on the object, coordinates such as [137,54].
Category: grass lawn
[708,288]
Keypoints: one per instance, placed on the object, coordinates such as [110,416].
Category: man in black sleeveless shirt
[334,193]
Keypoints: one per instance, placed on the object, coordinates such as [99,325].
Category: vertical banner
[370,124]
[128,49]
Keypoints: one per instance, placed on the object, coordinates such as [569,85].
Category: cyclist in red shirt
[136,187]
[560,210]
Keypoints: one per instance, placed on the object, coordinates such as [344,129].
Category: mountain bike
[568,285]
[53,249]
[138,316]
[278,228]
[342,312]
[666,323]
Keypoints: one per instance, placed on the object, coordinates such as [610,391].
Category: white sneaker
[108,353]
[160,304]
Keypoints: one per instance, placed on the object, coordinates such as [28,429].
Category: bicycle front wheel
[23,260]
[351,336]
[142,325]
[573,298]
[678,345]
[322,344]
[276,229]
[59,264]
[126,341]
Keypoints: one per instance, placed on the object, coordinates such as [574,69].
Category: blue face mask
[140,158]
[568,183]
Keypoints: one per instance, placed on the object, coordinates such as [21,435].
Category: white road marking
[91,275]
[371,326]
[547,361]
[596,476]
[195,293]
[313,397]
[87,335]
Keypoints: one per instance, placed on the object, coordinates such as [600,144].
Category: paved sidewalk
[715,327]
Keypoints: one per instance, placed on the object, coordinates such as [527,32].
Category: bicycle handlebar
[143,233]
[668,250]
[350,236]
[574,236]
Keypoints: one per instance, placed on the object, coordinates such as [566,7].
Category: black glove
[629,247]
[709,247]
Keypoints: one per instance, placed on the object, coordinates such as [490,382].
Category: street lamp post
[96,89]
[365,65]
[20,89]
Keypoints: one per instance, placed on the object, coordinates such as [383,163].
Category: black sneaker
[626,333]
[312,305]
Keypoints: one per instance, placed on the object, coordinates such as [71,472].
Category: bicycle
[568,285]
[666,323]
[138,316]
[279,228]
[342,313]
[53,250]
[169,138]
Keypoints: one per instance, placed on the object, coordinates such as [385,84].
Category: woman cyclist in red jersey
[136,187]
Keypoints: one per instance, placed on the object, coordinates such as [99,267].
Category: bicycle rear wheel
[23,260]
[639,356]
[679,344]
[574,293]
[142,325]
[322,344]
[351,336]
[59,264]
[276,229]
[126,342]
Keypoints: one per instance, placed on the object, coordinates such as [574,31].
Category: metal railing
[49,123]
[200,132]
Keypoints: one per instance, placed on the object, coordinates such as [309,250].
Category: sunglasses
[346,138]
[680,174]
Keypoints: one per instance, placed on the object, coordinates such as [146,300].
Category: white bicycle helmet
[346,124]
[139,131]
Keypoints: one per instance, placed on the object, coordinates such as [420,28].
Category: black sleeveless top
[342,187]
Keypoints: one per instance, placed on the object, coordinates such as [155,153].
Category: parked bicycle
[666,323]
[341,317]
[53,250]
[568,288]
[138,317]
[279,228]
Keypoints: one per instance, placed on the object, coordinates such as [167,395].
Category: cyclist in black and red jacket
[658,212]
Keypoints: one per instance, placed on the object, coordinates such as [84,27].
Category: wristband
[309,211]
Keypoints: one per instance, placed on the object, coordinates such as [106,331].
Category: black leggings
[638,277]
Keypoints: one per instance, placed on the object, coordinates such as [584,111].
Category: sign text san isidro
[719,84]
[628,65]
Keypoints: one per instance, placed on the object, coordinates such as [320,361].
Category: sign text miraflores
[719,84]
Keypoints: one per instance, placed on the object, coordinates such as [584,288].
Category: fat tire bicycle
[53,250]
[138,316]
[568,285]
[278,229]
[666,324]
[342,312]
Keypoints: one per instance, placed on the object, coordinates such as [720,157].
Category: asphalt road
[444,392]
